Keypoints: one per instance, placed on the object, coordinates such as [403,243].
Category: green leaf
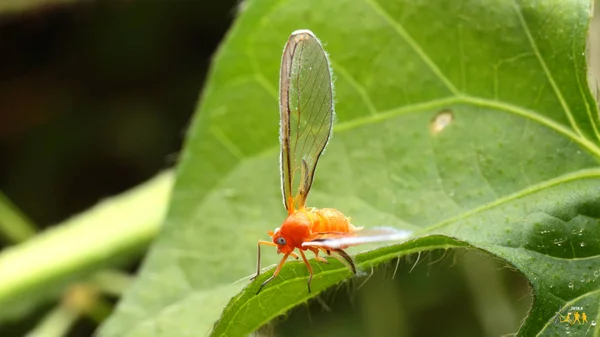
[515,173]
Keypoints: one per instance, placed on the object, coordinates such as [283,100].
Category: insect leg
[310,271]
[317,257]
[346,257]
[275,273]
[261,242]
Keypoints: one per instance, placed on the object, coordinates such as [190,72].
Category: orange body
[308,224]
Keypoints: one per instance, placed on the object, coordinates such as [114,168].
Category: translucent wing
[306,108]
[334,240]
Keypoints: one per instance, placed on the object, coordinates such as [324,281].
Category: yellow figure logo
[579,316]
[567,319]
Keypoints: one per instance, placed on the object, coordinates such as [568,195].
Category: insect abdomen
[331,220]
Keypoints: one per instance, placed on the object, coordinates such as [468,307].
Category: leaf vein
[542,62]
[414,45]
[577,175]
[227,143]
[362,92]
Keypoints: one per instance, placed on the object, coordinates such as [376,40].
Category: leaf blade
[522,144]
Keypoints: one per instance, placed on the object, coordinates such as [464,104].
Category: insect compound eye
[281,240]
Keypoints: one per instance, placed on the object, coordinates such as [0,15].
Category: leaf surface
[514,173]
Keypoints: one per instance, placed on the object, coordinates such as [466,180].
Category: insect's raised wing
[306,109]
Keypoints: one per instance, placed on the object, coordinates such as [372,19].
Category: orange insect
[306,112]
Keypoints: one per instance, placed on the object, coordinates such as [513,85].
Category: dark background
[95,96]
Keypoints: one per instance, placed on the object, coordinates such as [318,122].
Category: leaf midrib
[581,174]
[533,115]
[457,98]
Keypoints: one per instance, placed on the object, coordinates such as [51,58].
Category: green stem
[56,323]
[115,229]
[13,223]
[111,282]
